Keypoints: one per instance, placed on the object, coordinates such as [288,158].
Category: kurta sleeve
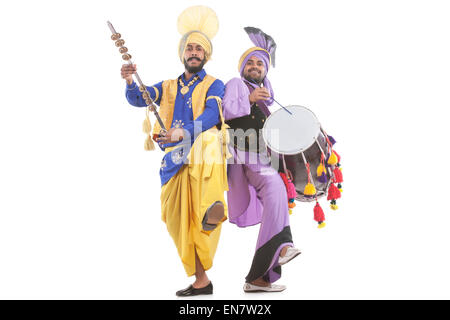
[235,101]
[210,116]
[134,96]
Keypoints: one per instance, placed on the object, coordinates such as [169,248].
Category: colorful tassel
[322,178]
[290,190]
[333,159]
[333,205]
[319,216]
[331,139]
[338,178]
[310,190]
[291,205]
[320,170]
[333,194]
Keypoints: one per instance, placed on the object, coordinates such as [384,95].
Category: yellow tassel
[147,128]
[333,159]
[334,206]
[146,125]
[310,190]
[320,170]
[321,225]
[149,145]
[290,211]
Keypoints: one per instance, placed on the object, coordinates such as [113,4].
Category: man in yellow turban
[193,169]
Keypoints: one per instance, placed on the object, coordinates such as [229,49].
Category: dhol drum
[303,146]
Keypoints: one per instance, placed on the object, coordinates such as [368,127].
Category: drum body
[297,136]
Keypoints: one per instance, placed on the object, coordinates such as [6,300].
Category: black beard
[254,80]
[194,69]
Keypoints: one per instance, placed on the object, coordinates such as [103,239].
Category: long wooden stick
[127,57]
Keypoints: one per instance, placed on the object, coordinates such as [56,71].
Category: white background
[79,197]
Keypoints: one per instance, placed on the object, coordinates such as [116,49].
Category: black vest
[252,140]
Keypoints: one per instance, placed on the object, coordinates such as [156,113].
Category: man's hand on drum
[172,135]
[127,72]
[259,94]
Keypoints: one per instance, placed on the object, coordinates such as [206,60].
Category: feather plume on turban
[197,24]
[264,50]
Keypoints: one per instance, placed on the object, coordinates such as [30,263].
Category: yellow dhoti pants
[186,197]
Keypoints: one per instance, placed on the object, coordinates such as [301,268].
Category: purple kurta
[256,193]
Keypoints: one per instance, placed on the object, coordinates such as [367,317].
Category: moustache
[194,58]
[250,70]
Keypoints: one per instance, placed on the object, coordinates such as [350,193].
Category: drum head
[293,133]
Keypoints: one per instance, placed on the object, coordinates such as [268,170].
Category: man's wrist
[130,86]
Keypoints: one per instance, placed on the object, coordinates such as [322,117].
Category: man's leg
[274,235]
[201,278]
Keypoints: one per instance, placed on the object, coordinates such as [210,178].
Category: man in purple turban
[257,194]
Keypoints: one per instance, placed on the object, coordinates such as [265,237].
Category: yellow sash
[169,94]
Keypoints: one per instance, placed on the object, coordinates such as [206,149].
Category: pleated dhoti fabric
[186,197]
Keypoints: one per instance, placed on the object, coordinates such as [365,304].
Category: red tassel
[333,192]
[284,178]
[319,216]
[338,178]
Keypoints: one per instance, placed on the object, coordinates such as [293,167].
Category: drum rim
[290,106]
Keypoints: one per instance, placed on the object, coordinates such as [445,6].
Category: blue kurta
[182,118]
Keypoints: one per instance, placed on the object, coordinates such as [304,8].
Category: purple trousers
[257,195]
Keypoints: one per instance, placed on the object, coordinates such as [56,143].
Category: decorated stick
[127,57]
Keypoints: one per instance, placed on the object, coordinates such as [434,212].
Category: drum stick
[259,86]
[282,106]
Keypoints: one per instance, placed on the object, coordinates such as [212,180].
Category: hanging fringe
[290,190]
[333,194]
[332,160]
[319,216]
[147,128]
[310,189]
[321,170]
[338,178]
[331,140]
[322,178]
[149,145]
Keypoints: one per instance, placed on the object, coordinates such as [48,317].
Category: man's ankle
[201,283]
[260,283]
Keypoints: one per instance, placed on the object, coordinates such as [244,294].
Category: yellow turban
[197,24]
